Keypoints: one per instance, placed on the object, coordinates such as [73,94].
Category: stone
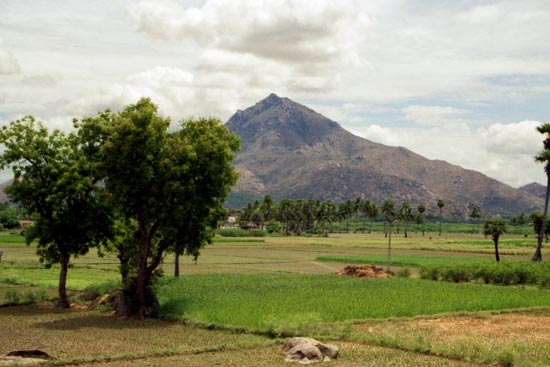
[307,351]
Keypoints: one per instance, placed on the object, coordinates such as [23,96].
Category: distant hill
[289,150]
[535,189]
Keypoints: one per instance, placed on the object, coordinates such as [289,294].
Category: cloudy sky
[458,80]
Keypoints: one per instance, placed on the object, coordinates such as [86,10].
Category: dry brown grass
[525,337]
[86,338]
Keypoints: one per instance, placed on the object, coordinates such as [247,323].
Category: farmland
[245,295]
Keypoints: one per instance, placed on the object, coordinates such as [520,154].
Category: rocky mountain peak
[290,150]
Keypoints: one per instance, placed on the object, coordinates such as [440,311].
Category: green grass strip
[403,260]
[287,302]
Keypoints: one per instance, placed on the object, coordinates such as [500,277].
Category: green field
[287,286]
[268,302]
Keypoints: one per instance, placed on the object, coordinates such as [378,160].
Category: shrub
[12,297]
[431,272]
[504,272]
[233,232]
[456,274]
[274,226]
[404,272]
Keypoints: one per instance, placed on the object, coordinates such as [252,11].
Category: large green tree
[151,174]
[55,182]
[544,158]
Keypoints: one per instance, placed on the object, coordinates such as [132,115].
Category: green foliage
[234,232]
[167,188]
[274,226]
[267,302]
[504,273]
[12,297]
[409,260]
[53,181]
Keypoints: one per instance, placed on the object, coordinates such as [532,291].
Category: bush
[274,226]
[457,274]
[431,272]
[504,272]
[404,272]
[233,232]
[12,297]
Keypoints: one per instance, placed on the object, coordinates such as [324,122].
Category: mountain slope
[535,189]
[289,150]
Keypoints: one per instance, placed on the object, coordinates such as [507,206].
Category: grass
[522,339]
[78,278]
[402,260]
[280,285]
[289,303]
[67,336]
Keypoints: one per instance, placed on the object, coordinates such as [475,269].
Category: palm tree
[405,214]
[494,227]
[371,211]
[421,209]
[440,204]
[388,209]
[544,158]
[475,214]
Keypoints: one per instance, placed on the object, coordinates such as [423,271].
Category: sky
[463,81]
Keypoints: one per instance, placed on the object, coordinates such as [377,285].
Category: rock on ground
[307,350]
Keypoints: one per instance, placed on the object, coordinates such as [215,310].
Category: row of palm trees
[315,216]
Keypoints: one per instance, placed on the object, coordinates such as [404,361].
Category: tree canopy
[163,184]
[55,182]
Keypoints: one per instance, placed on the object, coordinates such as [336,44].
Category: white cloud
[501,151]
[8,62]
[305,42]
[299,30]
[433,115]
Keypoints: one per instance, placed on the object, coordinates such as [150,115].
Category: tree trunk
[177,265]
[406,234]
[497,257]
[538,252]
[63,299]
[142,281]
[439,222]
[389,247]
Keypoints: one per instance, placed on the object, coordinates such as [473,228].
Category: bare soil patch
[364,271]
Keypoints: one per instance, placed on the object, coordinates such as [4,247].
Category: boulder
[307,351]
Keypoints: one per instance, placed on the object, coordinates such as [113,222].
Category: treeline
[297,216]
[294,216]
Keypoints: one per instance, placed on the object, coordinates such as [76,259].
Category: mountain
[535,189]
[289,150]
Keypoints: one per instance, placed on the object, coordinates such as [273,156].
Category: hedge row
[504,272]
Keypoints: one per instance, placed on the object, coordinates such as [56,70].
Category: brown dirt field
[90,338]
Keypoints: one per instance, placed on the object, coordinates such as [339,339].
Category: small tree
[54,181]
[544,158]
[420,220]
[371,211]
[405,214]
[390,214]
[537,219]
[521,220]
[440,205]
[494,227]
[475,214]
